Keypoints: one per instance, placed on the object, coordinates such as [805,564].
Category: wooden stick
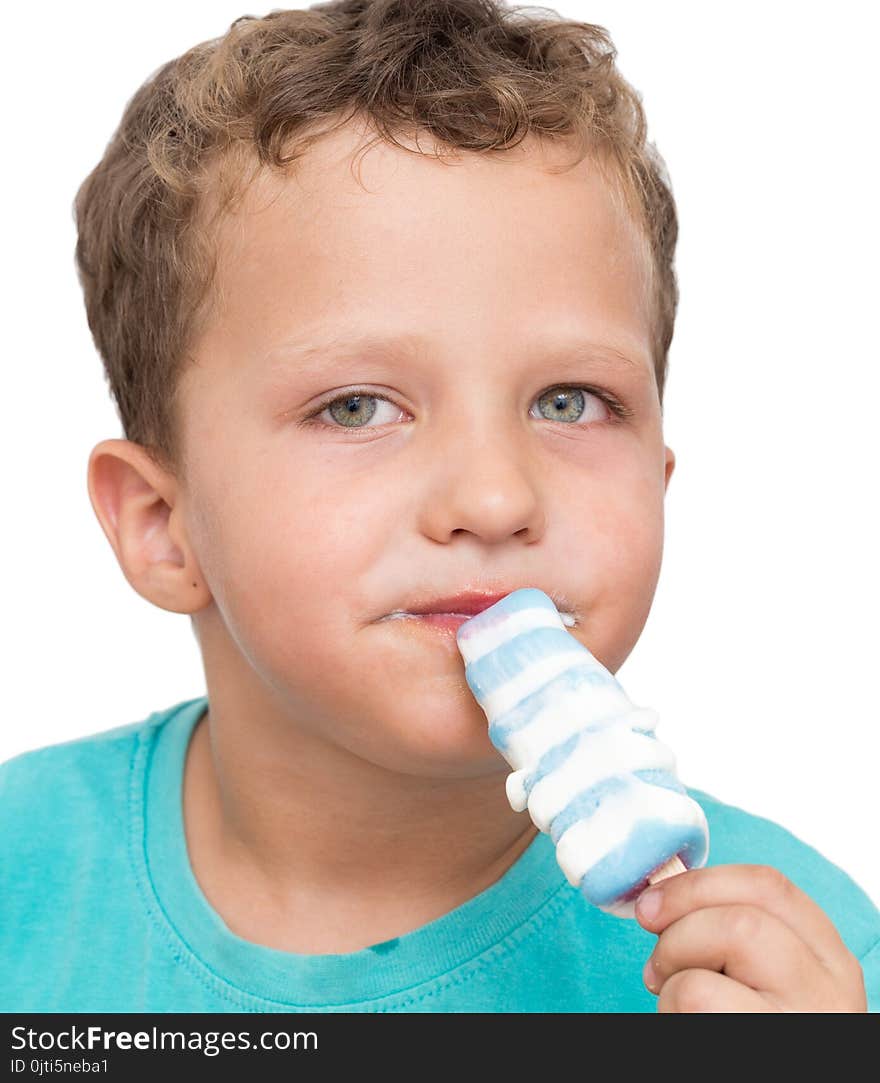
[672,867]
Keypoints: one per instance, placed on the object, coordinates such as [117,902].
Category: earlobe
[134,501]
[670,465]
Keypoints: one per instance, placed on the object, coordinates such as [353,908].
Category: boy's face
[470,461]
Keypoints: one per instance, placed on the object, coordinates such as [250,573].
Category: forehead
[386,246]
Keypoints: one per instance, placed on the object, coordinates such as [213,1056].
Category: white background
[761,651]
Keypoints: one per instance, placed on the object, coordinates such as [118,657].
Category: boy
[350,393]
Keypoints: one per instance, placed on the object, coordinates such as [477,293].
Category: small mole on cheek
[195,584]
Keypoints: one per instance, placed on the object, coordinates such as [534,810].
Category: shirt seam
[213,983]
[509,944]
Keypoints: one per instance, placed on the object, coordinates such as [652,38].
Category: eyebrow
[304,354]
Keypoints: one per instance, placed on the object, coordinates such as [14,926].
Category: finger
[756,885]
[706,991]
[748,945]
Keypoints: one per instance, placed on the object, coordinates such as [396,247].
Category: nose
[482,481]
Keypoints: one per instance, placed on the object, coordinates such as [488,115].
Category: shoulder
[740,837]
[82,770]
[49,795]
[39,772]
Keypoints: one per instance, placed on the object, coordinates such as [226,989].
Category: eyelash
[621,412]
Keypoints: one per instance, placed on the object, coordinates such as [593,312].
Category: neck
[293,848]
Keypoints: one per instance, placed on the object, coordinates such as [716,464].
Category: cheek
[613,553]
[630,543]
[281,521]
[284,552]
[613,528]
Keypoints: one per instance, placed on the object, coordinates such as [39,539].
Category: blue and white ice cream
[587,765]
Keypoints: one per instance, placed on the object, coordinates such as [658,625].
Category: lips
[466,605]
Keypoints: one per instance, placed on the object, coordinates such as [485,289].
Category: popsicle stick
[672,867]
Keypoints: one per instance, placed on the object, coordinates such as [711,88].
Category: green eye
[352,410]
[566,403]
[562,404]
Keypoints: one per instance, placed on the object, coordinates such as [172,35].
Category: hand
[743,938]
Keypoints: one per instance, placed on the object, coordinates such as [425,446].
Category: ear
[670,466]
[137,504]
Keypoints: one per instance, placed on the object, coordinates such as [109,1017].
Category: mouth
[457,619]
[452,612]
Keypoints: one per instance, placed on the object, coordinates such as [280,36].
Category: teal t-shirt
[100,910]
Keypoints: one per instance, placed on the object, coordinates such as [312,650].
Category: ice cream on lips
[587,765]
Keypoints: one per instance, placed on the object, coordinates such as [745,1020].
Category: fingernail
[649,976]
[648,905]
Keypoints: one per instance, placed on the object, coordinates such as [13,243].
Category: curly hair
[475,75]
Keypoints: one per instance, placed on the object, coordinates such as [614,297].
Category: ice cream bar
[586,763]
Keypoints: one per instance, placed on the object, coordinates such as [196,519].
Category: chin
[445,752]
